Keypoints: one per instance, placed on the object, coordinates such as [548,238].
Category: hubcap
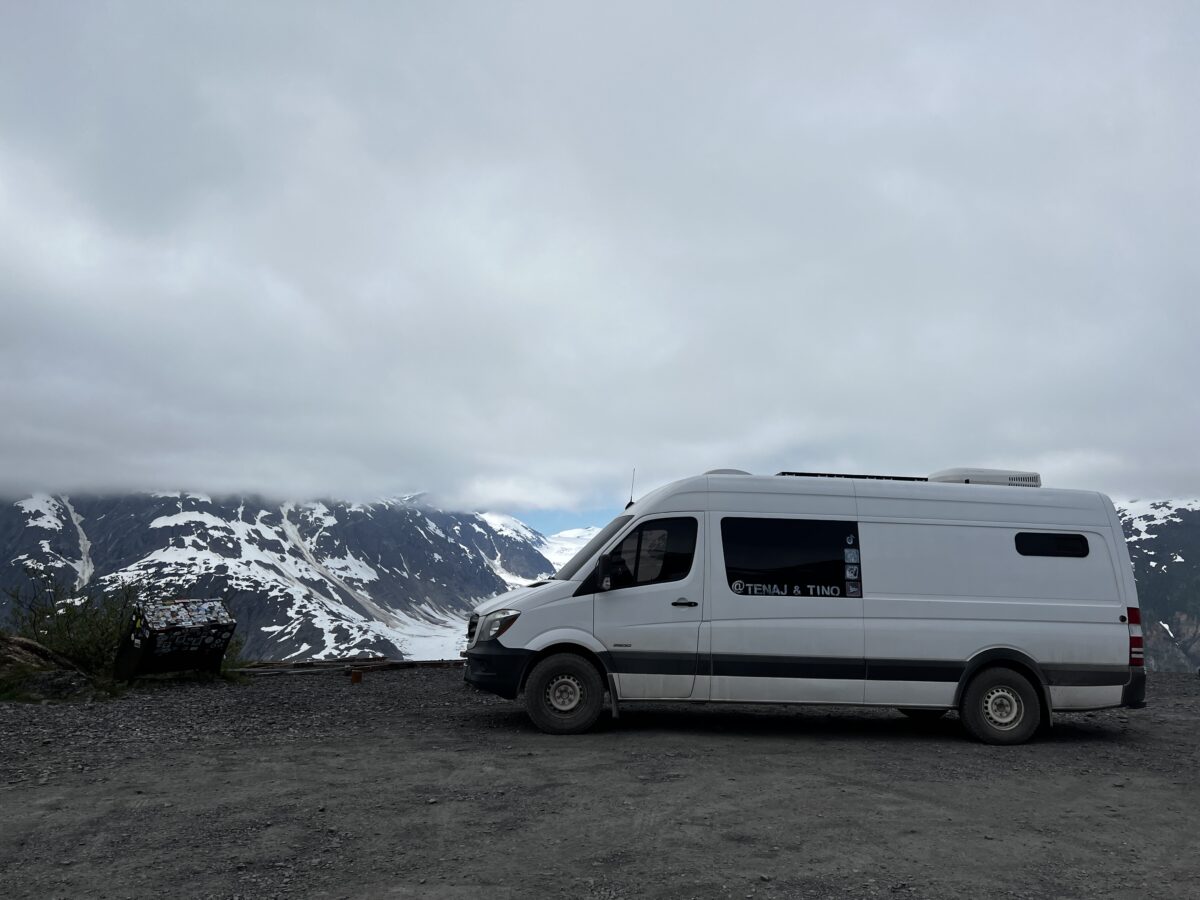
[564,693]
[1002,708]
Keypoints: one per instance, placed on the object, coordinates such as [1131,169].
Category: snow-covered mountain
[303,579]
[559,548]
[1164,544]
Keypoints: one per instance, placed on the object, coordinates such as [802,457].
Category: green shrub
[86,628]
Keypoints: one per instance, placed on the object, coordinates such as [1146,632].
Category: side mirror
[603,573]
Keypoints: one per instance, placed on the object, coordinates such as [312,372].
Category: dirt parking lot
[413,785]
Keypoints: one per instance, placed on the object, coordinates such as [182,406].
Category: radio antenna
[632,481]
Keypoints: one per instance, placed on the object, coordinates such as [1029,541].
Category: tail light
[1137,649]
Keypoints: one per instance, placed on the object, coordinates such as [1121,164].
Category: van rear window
[791,557]
[1041,543]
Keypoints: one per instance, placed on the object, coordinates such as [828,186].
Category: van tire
[564,694]
[918,714]
[1000,706]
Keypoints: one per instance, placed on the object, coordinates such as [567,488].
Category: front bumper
[1134,693]
[495,668]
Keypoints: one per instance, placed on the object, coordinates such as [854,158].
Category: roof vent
[726,472]
[988,476]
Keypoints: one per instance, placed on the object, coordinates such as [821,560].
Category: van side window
[792,557]
[658,551]
[1040,543]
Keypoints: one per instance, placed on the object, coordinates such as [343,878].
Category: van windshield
[575,563]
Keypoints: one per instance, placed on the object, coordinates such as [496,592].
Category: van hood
[527,597]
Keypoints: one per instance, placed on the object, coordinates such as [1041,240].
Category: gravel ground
[412,785]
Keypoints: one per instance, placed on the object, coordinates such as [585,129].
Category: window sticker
[795,558]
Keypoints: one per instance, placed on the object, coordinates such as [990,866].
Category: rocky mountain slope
[1164,544]
[303,579]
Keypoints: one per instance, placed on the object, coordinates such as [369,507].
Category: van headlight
[495,624]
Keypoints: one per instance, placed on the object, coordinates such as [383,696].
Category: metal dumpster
[174,635]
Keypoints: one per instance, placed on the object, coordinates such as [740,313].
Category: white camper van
[974,590]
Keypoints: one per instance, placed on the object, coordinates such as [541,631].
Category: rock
[34,673]
[22,653]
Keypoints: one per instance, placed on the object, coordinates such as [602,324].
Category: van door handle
[684,601]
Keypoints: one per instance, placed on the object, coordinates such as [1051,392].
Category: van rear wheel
[564,694]
[1000,706]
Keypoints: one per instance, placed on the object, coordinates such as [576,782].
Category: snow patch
[43,510]
[561,547]
[512,579]
[510,527]
[304,648]
[1145,516]
[349,566]
[208,520]
[319,514]
[443,638]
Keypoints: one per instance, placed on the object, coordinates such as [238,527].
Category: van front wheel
[1000,706]
[564,694]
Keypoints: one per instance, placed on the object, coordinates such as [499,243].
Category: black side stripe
[1086,676]
[786,667]
[915,670]
[928,670]
[632,662]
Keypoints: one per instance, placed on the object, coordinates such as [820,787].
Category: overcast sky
[506,252]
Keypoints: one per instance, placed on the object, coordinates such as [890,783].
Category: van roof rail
[844,475]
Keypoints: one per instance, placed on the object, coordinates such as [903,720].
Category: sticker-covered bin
[174,635]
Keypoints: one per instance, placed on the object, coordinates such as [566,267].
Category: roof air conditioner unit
[988,476]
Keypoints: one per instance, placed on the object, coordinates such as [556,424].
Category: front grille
[472,624]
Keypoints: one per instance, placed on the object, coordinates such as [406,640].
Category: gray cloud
[504,253]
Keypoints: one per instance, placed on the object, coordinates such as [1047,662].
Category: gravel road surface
[413,785]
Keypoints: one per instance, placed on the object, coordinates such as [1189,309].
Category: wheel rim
[564,694]
[1003,709]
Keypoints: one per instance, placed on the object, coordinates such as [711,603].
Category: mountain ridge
[318,578]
